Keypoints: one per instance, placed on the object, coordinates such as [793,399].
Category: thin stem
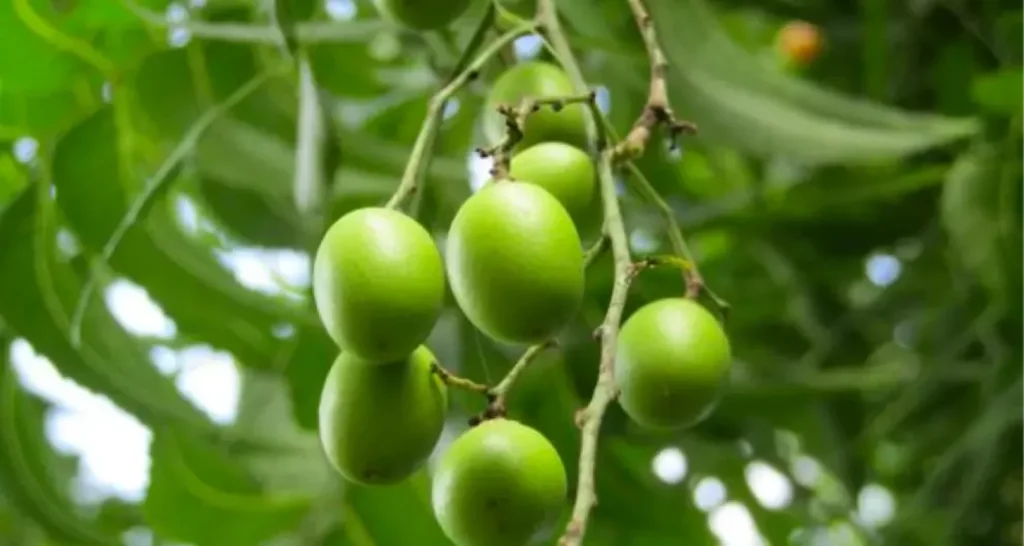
[694,280]
[460,382]
[428,132]
[589,419]
[498,394]
[596,249]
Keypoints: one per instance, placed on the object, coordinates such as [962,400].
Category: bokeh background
[857,202]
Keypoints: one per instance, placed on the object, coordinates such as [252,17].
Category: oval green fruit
[422,14]
[380,422]
[672,359]
[515,262]
[539,80]
[378,283]
[566,171]
[501,483]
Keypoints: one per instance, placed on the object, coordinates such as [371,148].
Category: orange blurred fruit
[800,42]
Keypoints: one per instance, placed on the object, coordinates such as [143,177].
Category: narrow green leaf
[109,360]
[738,101]
[980,211]
[157,188]
[198,495]
[27,465]
[180,275]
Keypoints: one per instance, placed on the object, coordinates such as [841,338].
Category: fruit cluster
[514,263]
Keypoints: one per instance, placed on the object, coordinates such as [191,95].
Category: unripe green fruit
[673,357]
[378,283]
[422,14]
[380,422]
[537,80]
[500,484]
[565,171]
[515,262]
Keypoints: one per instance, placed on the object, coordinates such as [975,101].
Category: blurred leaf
[739,102]
[27,465]
[980,213]
[110,361]
[999,92]
[181,276]
[197,494]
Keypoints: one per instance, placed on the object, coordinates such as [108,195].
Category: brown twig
[657,111]
[515,127]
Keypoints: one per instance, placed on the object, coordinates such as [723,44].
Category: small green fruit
[501,483]
[378,283]
[538,80]
[380,422]
[422,14]
[515,262]
[565,171]
[672,359]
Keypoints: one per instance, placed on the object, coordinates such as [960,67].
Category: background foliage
[861,215]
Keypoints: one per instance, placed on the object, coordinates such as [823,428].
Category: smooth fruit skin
[379,423]
[501,483]
[536,79]
[422,14]
[378,283]
[515,262]
[564,170]
[672,358]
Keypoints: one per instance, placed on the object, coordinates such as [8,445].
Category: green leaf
[980,211]
[110,361]
[39,67]
[27,465]
[999,92]
[180,275]
[199,495]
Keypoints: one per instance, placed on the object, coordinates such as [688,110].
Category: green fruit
[378,283]
[538,80]
[380,422]
[500,484]
[672,360]
[422,14]
[515,262]
[565,171]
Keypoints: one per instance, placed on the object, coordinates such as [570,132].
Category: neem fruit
[800,42]
[566,171]
[501,483]
[378,283]
[515,262]
[422,14]
[380,422]
[673,356]
[539,80]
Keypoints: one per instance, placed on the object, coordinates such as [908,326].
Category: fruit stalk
[589,419]
[657,111]
[411,178]
[695,284]
[497,395]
